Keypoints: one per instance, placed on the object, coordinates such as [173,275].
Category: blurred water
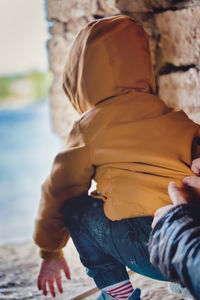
[27,149]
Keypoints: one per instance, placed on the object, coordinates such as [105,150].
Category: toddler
[130,143]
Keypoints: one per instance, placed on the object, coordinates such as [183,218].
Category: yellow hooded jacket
[126,139]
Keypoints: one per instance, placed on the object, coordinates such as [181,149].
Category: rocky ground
[19,265]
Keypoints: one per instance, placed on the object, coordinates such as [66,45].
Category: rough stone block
[58,48]
[74,26]
[63,113]
[182,89]
[105,7]
[63,116]
[180,36]
[134,6]
[64,11]
[57,28]
[144,6]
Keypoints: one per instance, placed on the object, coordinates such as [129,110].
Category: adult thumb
[175,194]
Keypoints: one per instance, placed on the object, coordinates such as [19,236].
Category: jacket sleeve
[174,246]
[70,177]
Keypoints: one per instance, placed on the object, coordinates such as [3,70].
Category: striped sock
[120,290]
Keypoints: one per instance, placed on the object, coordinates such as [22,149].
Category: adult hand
[50,272]
[194,181]
[174,193]
[176,198]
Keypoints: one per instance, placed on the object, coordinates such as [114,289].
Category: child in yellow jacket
[129,142]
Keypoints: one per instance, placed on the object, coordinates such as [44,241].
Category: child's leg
[101,266]
[125,240]
[109,274]
[130,238]
[106,247]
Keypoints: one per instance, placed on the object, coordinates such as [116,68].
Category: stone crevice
[97,17]
[56,20]
[170,68]
[161,9]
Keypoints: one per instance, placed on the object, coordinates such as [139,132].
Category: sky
[23,36]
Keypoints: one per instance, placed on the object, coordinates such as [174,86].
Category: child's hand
[50,272]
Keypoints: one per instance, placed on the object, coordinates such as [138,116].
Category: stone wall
[174,30]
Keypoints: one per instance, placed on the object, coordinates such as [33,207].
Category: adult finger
[51,288]
[159,213]
[44,287]
[162,210]
[59,284]
[175,194]
[196,166]
[192,181]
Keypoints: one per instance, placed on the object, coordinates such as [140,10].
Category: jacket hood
[109,57]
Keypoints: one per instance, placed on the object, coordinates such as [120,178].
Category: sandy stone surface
[180,36]
[62,112]
[64,11]
[153,5]
[184,88]
[19,265]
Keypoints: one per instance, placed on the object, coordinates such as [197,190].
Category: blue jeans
[106,247]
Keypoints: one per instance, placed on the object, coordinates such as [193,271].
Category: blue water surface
[27,148]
